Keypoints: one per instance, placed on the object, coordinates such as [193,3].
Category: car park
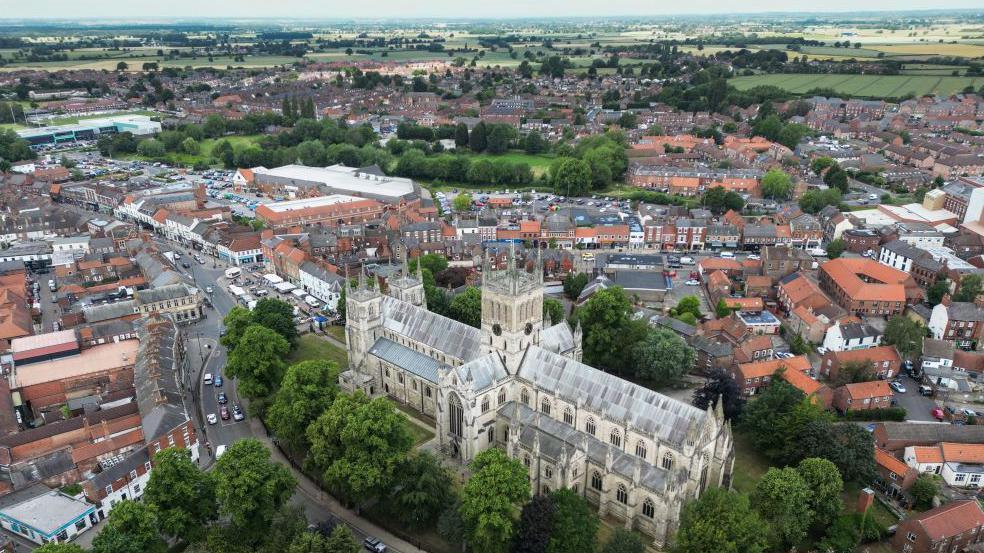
[897,386]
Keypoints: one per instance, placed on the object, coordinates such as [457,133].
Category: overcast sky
[302,9]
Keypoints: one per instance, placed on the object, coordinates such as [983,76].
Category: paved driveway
[917,407]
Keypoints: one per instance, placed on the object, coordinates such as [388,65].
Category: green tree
[536,523]
[847,445]
[720,386]
[190,146]
[623,541]
[131,528]
[574,283]
[970,288]
[722,309]
[358,444]
[906,335]
[423,489]
[534,143]
[277,315]
[251,488]
[782,497]
[812,201]
[777,185]
[764,419]
[122,66]
[835,177]
[56,547]
[575,523]
[214,126]
[461,135]
[553,311]
[435,263]
[498,138]
[662,357]
[341,540]
[490,500]
[182,494]
[923,490]
[236,321]
[721,521]
[825,482]
[307,390]
[466,307]
[936,291]
[688,304]
[462,202]
[570,177]
[151,148]
[852,372]
[609,330]
[478,139]
[258,361]
[835,248]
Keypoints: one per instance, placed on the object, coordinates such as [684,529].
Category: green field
[539,163]
[311,346]
[870,86]
[205,154]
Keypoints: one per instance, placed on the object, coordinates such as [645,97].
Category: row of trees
[240,506]
[594,164]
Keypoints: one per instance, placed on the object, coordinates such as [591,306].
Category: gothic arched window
[648,508]
[615,438]
[569,416]
[622,495]
[502,396]
[596,480]
[641,449]
[589,426]
[524,396]
[456,415]
[667,460]
[485,404]
[545,406]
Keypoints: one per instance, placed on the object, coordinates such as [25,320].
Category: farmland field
[872,86]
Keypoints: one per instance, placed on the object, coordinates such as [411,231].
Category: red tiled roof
[951,519]
[863,390]
[880,283]
[890,462]
[766,368]
[802,382]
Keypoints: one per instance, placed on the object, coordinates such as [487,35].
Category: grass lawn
[205,151]
[420,434]
[539,163]
[750,465]
[311,346]
[337,332]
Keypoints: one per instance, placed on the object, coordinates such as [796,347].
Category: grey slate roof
[163,293]
[932,433]
[441,333]
[555,437]
[965,311]
[481,373]
[118,470]
[858,331]
[645,410]
[157,378]
[557,338]
[108,311]
[405,358]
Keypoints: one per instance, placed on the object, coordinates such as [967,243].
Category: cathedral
[518,384]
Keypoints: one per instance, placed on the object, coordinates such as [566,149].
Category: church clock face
[497,329]
[529,328]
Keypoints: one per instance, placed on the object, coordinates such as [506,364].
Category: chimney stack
[865,498]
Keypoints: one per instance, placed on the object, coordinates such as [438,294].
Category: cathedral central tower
[512,309]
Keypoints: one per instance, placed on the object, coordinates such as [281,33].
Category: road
[207,355]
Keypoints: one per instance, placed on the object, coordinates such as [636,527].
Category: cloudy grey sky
[305,9]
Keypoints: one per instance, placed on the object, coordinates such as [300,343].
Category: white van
[312,301]
[208,379]
[220,450]
[233,272]
[727,255]
[687,260]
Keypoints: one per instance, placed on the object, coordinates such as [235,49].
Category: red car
[224,413]
[938,414]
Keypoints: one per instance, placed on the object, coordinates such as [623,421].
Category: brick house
[752,376]
[866,287]
[894,475]
[862,396]
[949,527]
[957,322]
[884,359]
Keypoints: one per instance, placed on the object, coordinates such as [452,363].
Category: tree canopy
[251,488]
[258,361]
[721,521]
[307,390]
[491,500]
[183,495]
[662,357]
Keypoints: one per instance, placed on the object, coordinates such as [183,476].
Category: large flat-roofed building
[44,515]
[333,210]
[99,369]
[367,182]
[91,129]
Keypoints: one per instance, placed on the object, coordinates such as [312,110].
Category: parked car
[237,413]
[218,381]
[374,545]
[897,386]
[938,414]
[224,413]
[753,256]
[220,450]
[925,390]
[692,282]
[212,419]
[222,398]
[968,412]
[822,350]
[208,290]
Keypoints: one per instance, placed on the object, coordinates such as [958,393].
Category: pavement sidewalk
[310,489]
